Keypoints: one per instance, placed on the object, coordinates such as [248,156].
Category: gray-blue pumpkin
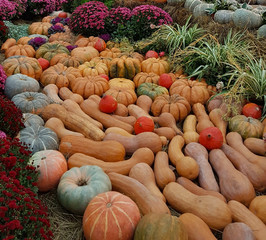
[191,4]
[30,119]
[223,16]
[261,33]
[243,18]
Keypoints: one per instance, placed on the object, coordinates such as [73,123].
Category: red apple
[165,80]
[151,54]
[104,76]
[108,104]
[62,15]
[44,63]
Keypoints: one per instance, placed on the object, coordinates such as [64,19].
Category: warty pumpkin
[49,50]
[66,60]
[155,65]
[92,68]
[19,49]
[39,28]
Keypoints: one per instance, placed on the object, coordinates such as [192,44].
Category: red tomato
[108,104]
[62,15]
[252,110]
[151,54]
[143,124]
[165,80]
[44,63]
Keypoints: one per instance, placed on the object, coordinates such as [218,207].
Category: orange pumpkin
[85,53]
[19,49]
[124,96]
[121,83]
[92,68]
[39,28]
[66,60]
[105,60]
[24,40]
[155,65]
[66,36]
[144,77]
[136,55]
[112,53]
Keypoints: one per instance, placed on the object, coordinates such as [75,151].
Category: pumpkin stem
[209,136]
[81,182]
[108,205]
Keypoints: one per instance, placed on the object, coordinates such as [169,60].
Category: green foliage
[17,31]
[219,5]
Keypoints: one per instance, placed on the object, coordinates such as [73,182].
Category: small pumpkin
[66,60]
[211,138]
[152,90]
[143,124]
[48,50]
[165,80]
[251,110]
[143,77]
[44,63]
[155,65]
[108,104]
[110,53]
[122,83]
[92,68]
[151,54]
[19,49]
[123,96]
[39,28]
[30,119]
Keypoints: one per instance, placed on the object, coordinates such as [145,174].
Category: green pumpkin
[48,50]
[261,33]
[152,90]
[78,186]
[223,16]
[244,18]
[155,226]
[246,126]
[200,9]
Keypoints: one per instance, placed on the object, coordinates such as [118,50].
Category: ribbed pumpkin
[105,60]
[85,53]
[78,186]
[19,49]
[246,126]
[151,89]
[155,226]
[110,216]
[31,102]
[19,83]
[95,42]
[124,96]
[30,119]
[51,165]
[66,60]
[178,106]
[90,85]
[23,40]
[48,50]
[47,18]
[59,75]
[193,90]
[112,53]
[24,65]
[144,77]
[124,67]
[136,55]
[92,68]
[39,28]
[121,83]
[39,138]
[64,43]
[155,65]
[66,36]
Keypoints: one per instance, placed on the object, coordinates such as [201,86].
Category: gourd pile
[120,138]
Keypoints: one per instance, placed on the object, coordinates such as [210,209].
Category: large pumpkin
[48,50]
[121,83]
[92,68]
[144,77]
[66,36]
[178,106]
[112,53]
[110,216]
[39,138]
[19,83]
[19,49]
[247,127]
[51,165]
[78,186]
[66,60]
[151,89]
[123,96]
[59,75]
[24,65]
[95,42]
[155,226]
[155,65]
[85,53]
[105,60]
[39,28]
[136,55]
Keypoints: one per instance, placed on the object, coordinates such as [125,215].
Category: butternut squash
[72,121]
[123,167]
[8,43]
[92,109]
[162,172]
[202,117]
[95,98]
[189,129]
[238,230]
[72,106]
[167,132]
[255,174]
[65,93]
[206,176]
[51,91]
[185,166]
[109,151]
[144,102]
[144,174]
[146,202]
[136,111]
[121,110]
[194,188]
[58,127]
[241,213]
[128,120]
[213,211]
[255,145]
[196,228]
[234,185]
[258,207]
[145,139]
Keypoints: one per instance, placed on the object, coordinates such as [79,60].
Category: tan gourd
[194,188]
[144,174]
[196,228]
[202,117]
[185,166]
[213,211]
[144,102]
[122,167]
[51,91]
[58,127]
[237,231]
[255,174]
[72,121]
[240,213]
[121,110]
[206,176]
[132,188]
[95,98]
[128,120]
[256,145]
[92,109]
[137,111]
[118,130]
[109,151]
[258,207]
[167,132]
[162,172]
[234,185]
[189,129]
[66,93]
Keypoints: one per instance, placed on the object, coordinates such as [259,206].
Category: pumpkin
[63,43]
[143,124]
[8,43]
[157,226]
[223,16]
[44,63]
[200,9]
[66,36]
[39,28]
[93,69]
[191,4]
[107,104]
[111,53]
[251,110]
[122,83]
[151,89]
[136,55]
[246,126]
[211,138]
[110,216]
[24,65]
[39,138]
[178,106]
[19,83]
[85,42]
[90,85]
[151,54]
[47,18]
[144,77]
[51,165]
[30,119]
[78,186]
[85,53]
[244,18]
[59,75]
[261,32]
[165,80]
[66,60]
[19,49]
[124,67]
[105,60]
[31,102]
[155,65]
[48,50]
[123,96]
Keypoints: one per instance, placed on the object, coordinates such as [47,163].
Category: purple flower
[37,42]
[71,47]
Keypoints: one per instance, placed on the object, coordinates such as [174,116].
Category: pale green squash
[243,18]
[223,16]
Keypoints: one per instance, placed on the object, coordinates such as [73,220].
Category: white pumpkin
[200,9]
[191,4]
[261,33]
[223,16]
[243,18]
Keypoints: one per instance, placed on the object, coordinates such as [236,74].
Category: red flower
[13,204]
